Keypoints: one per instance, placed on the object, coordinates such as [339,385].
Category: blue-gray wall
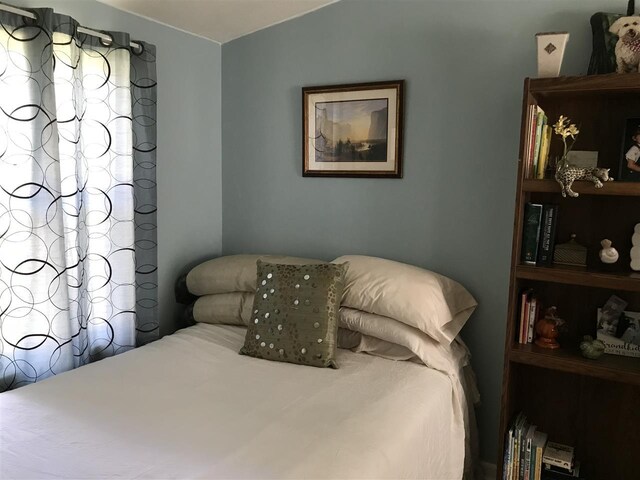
[464,63]
[189,144]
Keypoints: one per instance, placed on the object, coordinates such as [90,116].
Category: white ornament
[608,254]
[551,47]
[635,250]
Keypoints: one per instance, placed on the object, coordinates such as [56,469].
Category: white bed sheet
[188,406]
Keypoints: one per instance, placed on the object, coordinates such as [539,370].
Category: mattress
[189,406]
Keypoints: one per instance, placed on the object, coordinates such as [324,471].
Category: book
[506,463]
[544,151]
[527,454]
[620,333]
[541,120]
[524,316]
[547,239]
[520,454]
[529,143]
[533,315]
[538,443]
[524,311]
[531,233]
[558,455]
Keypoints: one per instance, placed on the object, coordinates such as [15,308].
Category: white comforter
[188,406]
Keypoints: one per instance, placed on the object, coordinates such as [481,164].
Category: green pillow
[295,314]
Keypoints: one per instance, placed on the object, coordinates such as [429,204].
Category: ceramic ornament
[635,250]
[608,254]
[551,47]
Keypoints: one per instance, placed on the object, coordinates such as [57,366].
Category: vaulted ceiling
[219,20]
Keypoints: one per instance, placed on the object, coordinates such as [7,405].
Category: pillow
[449,359]
[224,308]
[233,273]
[432,303]
[360,343]
[295,314]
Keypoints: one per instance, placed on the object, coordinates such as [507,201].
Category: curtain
[78,276]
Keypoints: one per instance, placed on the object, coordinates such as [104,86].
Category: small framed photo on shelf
[630,161]
[353,130]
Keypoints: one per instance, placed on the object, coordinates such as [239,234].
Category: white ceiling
[218,20]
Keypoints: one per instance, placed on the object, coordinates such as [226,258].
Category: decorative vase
[547,329]
[551,46]
[547,332]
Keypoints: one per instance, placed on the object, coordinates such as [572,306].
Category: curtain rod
[86,31]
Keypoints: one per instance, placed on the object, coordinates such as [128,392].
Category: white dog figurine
[628,47]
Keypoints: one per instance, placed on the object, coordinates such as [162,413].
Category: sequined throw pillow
[295,314]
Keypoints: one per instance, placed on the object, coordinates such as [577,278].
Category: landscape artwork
[353,130]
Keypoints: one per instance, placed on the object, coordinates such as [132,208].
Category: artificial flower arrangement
[566,129]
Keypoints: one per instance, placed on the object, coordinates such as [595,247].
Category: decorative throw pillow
[295,314]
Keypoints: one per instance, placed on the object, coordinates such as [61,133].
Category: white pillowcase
[224,308]
[432,303]
[361,343]
[234,273]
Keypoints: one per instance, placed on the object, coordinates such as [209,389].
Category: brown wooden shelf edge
[583,187]
[609,367]
[611,82]
[628,281]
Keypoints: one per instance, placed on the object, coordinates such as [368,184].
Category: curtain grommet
[31,21]
[139,50]
[105,42]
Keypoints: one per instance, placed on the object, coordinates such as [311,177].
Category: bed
[189,406]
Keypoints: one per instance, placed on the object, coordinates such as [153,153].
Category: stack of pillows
[294,306]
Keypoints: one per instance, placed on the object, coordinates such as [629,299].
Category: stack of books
[539,235]
[559,462]
[529,456]
[529,308]
[523,451]
[537,142]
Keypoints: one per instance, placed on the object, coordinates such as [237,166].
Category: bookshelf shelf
[629,282]
[608,367]
[593,84]
[630,189]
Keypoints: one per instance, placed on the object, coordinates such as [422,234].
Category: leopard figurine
[568,174]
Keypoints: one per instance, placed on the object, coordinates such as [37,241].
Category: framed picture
[353,130]
[630,161]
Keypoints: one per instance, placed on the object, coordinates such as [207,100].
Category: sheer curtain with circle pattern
[77,196]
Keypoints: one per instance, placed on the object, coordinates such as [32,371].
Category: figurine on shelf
[608,254]
[591,348]
[547,329]
[566,174]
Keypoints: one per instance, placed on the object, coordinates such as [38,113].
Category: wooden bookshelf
[566,395]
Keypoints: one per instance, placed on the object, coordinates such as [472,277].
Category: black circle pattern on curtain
[78,251]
